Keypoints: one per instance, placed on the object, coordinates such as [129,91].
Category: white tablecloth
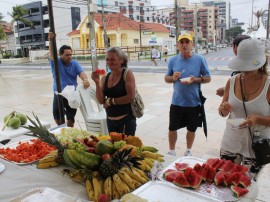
[18,179]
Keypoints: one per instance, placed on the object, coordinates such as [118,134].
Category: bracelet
[113,101]
[108,102]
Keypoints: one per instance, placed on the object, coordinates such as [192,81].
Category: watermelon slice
[171,176]
[181,180]
[193,179]
[239,168]
[244,181]
[210,174]
[238,191]
[212,162]
[197,167]
[227,166]
[219,178]
[219,165]
[204,171]
[181,166]
[233,178]
[188,170]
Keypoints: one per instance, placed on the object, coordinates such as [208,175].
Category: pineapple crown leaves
[40,131]
[124,159]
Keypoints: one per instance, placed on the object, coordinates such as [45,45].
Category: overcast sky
[241,9]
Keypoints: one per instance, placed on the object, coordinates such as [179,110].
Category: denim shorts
[68,111]
[126,125]
[181,117]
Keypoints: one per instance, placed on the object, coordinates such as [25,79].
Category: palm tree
[258,15]
[17,16]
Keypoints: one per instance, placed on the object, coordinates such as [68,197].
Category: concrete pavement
[30,90]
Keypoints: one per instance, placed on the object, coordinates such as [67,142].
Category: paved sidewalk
[30,91]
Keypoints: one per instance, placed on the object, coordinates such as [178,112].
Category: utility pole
[105,37]
[176,23]
[55,61]
[195,29]
[140,28]
[268,23]
[92,34]
[207,33]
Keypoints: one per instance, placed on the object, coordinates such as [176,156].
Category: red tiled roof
[121,22]
[74,32]
[6,27]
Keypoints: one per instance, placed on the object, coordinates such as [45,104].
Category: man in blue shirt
[69,70]
[186,71]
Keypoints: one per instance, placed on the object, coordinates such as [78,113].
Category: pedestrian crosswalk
[224,58]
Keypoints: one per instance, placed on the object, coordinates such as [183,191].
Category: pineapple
[41,132]
[116,162]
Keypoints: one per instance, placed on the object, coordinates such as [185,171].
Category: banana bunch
[79,175]
[152,155]
[48,161]
[149,159]
[94,186]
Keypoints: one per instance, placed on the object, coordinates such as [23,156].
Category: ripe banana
[148,154]
[49,164]
[128,180]
[90,190]
[98,187]
[136,183]
[149,148]
[125,187]
[149,162]
[142,165]
[142,174]
[133,174]
[108,187]
[47,159]
[115,193]
[119,185]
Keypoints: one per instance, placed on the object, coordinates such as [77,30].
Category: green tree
[231,33]
[17,15]
[2,33]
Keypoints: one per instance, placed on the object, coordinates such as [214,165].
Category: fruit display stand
[20,179]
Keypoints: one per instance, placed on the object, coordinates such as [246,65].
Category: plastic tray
[45,194]
[218,193]
[2,167]
[163,191]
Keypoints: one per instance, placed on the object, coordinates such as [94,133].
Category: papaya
[117,136]
[104,147]
[80,159]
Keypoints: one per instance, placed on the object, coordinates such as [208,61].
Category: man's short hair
[63,48]
[240,38]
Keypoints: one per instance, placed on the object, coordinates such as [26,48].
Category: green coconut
[14,122]
[22,117]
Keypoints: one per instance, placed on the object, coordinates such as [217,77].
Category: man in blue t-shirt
[69,70]
[186,71]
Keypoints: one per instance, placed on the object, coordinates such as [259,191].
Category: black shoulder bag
[260,146]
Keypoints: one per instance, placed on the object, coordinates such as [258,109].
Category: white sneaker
[172,153]
[188,153]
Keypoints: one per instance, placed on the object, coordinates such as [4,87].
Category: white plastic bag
[73,97]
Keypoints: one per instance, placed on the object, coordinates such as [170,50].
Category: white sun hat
[250,56]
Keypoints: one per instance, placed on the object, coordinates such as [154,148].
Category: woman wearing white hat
[252,87]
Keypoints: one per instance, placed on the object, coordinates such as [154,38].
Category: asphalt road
[216,60]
